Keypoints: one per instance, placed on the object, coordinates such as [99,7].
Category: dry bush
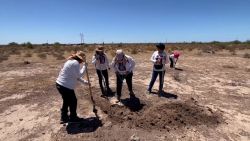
[208,49]
[229,66]
[58,56]
[134,51]
[150,48]
[112,53]
[247,69]
[42,55]
[13,50]
[3,58]
[246,55]
[233,53]
[28,54]
[199,53]
[231,50]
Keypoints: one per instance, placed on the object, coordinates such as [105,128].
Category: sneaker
[75,119]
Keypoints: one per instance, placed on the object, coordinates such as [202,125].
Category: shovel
[91,96]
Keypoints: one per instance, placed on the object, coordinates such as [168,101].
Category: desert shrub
[246,55]
[236,42]
[190,48]
[231,49]
[134,51]
[29,45]
[28,54]
[247,69]
[208,49]
[58,56]
[42,55]
[233,52]
[120,45]
[112,53]
[3,58]
[150,48]
[14,50]
[199,53]
[13,44]
[229,66]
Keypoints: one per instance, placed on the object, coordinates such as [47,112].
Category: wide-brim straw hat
[99,48]
[80,55]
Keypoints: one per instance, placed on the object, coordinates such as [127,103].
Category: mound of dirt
[167,116]
[176,115]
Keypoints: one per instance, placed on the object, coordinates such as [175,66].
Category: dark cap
[161,46]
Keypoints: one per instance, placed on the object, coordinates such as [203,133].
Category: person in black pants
[66,83]
[123,65]
[119,80]
[101,63]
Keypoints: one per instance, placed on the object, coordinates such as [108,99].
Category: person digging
[66,83]
[101,62]
[123,65]
[173,57]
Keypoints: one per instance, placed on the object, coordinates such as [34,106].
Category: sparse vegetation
[134,51]
[229,66]
[3,58]
[29,45]
[28,54]
[42,55]
[246,55]
[13,44]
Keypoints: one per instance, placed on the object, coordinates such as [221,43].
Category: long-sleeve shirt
[123,68]
[101,62]
[70,74]
[160,60]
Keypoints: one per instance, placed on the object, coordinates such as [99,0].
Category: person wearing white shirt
[101,62]
[123,65]
[160,59]
[66,83]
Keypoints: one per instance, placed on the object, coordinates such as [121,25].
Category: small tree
[236,42]
[29,45]
[13,44]
[57,44]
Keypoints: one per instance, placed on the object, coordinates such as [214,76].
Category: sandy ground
[207,98]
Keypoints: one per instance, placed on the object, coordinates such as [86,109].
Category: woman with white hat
[66,83]
[160,59]
[123,65]
[101,62]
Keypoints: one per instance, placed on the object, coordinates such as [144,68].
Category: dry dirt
[207,98]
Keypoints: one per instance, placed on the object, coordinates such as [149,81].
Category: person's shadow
[166,95]
[133,103]
[85,126]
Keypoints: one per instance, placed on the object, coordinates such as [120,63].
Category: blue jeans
[154,77]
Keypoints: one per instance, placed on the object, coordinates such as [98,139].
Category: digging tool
[91,96]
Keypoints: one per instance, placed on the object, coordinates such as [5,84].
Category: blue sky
[123,20]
